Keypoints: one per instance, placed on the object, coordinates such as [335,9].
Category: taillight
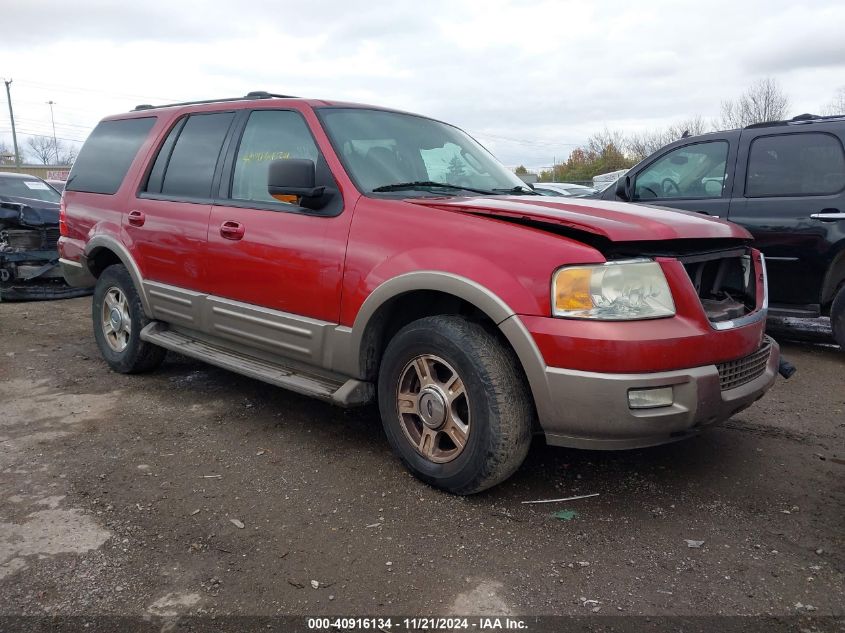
[62,218]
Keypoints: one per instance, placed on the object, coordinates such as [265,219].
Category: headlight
[615,291]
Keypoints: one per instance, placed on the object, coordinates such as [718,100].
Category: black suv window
[107,154]
[269,135]
[690,171]
[185,164]
[804,164]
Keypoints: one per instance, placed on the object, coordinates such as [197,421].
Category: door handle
[232,230]
[137,218]
[828,215]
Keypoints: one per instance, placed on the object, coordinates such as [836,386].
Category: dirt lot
[193,490]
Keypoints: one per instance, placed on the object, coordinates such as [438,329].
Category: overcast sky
[529,79]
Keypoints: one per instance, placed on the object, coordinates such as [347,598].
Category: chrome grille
[736,373]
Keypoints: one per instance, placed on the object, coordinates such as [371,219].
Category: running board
[313,382]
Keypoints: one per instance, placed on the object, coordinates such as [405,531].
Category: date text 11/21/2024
[417,624]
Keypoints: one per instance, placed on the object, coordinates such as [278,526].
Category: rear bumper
[76,273]
[590,410]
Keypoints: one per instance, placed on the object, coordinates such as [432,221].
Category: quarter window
[269,135]
[806,164]
[691,171]
[107,154]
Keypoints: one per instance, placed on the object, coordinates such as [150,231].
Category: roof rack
[796,120]
[255,94]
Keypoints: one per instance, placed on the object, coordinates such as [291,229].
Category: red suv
[355,253]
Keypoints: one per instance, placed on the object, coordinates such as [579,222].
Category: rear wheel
[454,404]
[837,317]
[118,320]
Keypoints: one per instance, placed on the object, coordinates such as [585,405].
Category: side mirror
[293,177]
[623,188]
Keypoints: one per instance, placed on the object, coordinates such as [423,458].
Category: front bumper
[590,410]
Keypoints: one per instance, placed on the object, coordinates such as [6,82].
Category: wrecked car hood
[29,212]
[615,221]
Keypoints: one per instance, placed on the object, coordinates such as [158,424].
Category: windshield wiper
[525,191]
[428,184]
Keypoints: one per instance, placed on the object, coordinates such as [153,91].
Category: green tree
[456,169]
[602,153]
[522,170]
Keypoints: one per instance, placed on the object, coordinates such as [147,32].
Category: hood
[29,212]
[615,221]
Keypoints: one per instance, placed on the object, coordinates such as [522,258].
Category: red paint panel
[616,221]
[391,237]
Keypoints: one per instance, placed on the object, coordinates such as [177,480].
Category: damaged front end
[29,261]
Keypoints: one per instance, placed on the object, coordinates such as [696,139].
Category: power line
[41,133]
[93,113]
[58,123]
[60,88]
[537,143]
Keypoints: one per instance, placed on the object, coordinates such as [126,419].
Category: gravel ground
[195,491]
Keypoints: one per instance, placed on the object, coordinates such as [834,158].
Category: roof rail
[255,94]
[796,120]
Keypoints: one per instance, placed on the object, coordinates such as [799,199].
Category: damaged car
[29,230]
[357,255]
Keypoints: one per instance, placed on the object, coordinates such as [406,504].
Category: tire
[837,317]
[489,407]
[123,350]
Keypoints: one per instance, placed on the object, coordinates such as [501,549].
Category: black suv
[784,182]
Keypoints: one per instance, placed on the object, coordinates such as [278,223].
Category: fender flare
[111,244]
[349,360]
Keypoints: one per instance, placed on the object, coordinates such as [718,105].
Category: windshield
[28,188]
[380,149]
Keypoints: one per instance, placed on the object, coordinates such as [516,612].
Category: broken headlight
[614,291]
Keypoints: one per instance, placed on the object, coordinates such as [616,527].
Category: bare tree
[7,155]
[638,146]
[67,153]
[762,102]
[837,104]
[599,142]
[43,148]
[48,152]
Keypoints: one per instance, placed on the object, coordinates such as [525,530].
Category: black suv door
[790,193]
[695,175]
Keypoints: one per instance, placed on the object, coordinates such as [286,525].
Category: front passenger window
[269,135]
[690,171]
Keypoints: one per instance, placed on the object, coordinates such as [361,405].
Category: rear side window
[185,164]
[107,154]
[807,164]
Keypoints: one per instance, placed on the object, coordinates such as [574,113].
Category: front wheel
[454,404]
[118,320]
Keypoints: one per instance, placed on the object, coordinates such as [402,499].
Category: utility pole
[53,121]
[12,117]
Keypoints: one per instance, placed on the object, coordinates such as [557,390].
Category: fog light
[650,398]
